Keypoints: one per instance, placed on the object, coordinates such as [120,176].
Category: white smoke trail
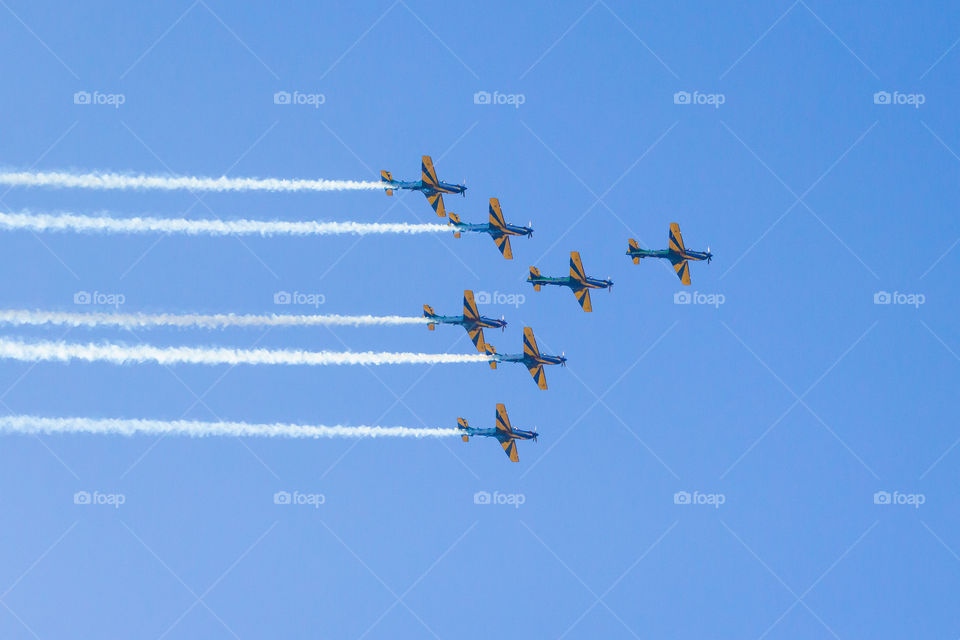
[38,425]
[44,351]
[105,224]
[170,183]
[194,320]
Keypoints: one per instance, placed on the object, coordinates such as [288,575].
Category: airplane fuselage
[528,361]
[502,436]
[510,229]
[590,283]
[428,189]
[668,254]
[481,322]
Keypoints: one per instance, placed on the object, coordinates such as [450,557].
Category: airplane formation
[578,282]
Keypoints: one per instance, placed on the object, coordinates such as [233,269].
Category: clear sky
[793,402]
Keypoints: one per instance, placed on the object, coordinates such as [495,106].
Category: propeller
[563,358]
[503,326]
[464,185]
[709,255]
[609,285]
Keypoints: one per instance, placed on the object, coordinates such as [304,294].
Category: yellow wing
[496,216]
[476,334]
[529,344]
[676,240]
[503,422]
[427,173]
[510,446]
[436,201]
[538,375]
[576,267]
[583,297]
[683,271]
[503,243]
[470,306]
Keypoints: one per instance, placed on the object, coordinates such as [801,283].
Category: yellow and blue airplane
[471,320]
[677,254]
[499,230]
[578,281]
[427,184]
[504,433]
[531,358]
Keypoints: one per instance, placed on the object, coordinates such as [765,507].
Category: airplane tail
[428,313]
[535,273]
[633,246]
[385,176]
[490,350]
[454,220]
[462,424]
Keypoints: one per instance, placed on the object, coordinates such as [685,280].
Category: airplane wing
[469,306]
[538,375]
[675,239]
[427,173]
[476,334]
[683,271]
[510,446]
[583,297]
[503,243]
[496,216]
[529,344]
[576,267]
[503,422]
[436,201]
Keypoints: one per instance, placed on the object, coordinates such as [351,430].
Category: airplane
[471,320]
[531,358]
[503,432]
[499,230]
[578,281]
[676,254]
[427,184]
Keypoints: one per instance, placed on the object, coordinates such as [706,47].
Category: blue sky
[793,402]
